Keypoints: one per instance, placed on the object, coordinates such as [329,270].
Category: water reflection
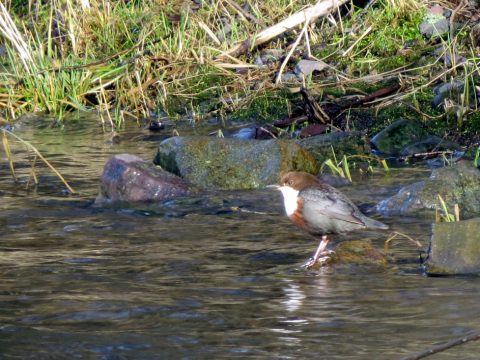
[294,296]
[195,278]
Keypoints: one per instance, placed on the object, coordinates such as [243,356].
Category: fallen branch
[321,8]
[426,155]
[375,95]
[442,347]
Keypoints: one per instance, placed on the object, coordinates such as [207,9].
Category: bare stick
[294,46]
[321,8]
[442,347]
[395,235]
[209,32]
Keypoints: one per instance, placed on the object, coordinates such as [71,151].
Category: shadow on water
[197,278]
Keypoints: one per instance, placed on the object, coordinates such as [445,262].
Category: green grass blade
[346,168]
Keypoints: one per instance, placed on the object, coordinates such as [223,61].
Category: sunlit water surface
[215,276]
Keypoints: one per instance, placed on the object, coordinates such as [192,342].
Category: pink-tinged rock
[436,10]
[128,178]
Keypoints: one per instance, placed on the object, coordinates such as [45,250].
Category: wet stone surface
[128,178]
[455,248]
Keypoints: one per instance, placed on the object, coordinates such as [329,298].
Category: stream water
[197,278]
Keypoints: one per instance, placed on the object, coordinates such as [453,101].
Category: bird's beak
[273,186]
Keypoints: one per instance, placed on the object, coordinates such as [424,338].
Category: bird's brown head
[299,180]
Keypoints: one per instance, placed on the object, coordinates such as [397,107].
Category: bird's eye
[290,182]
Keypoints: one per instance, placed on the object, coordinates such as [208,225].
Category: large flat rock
[230,164]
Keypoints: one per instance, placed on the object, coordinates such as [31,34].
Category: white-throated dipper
[320,209]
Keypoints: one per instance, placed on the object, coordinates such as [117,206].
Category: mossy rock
[454,248]
[457,184]
[356,253]
[359,252]
[230,164]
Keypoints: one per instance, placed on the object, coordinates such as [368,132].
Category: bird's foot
[322,259]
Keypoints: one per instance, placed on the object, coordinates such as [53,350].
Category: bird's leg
[321,255]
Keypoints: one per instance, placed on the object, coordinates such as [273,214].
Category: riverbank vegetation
[137,59]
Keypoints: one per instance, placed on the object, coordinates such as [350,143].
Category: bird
[321,210]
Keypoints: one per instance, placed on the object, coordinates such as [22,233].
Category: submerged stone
[454,248]
[232,164]
[395,137]
[457,184]
[406,138]
[128,178]
[428,144]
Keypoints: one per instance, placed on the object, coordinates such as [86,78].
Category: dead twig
[375,95]
[321,8]
[459,8]
[397,234]
[442,347]
[314,111]
[294,46]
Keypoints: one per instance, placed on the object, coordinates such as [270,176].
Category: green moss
[393,28]
[230,163]
[297,159]
[267,106]
[472,124]
[356,253]
[391,35]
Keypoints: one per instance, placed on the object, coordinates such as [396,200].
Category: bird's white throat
[289,199]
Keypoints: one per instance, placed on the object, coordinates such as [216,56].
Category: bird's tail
[374,224]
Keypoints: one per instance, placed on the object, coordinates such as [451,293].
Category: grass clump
[147,57]
[123,54]
[344,167]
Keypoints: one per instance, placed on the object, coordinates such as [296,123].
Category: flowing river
[215,276]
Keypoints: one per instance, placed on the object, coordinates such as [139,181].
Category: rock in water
[231,164]
[457,184]
[454,248]
[356,253]
[392,139]
[128,178]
